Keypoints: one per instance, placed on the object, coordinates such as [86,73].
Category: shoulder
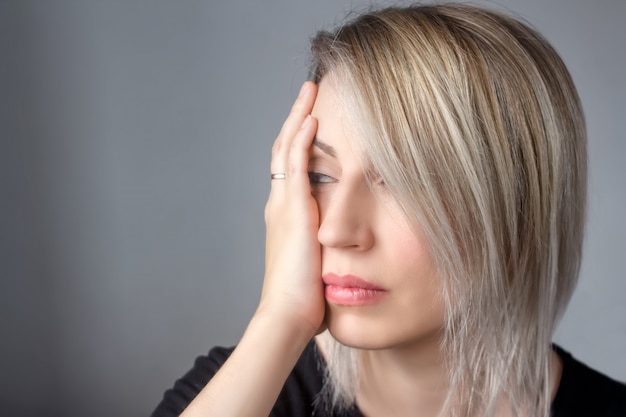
[185,389]
[585,391]
[297,397]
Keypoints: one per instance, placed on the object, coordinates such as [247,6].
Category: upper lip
[349,281]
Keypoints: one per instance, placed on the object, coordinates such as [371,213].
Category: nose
[346,218]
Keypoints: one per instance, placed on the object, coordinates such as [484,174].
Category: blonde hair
[473,122]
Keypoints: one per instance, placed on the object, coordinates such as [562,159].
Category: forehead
[337,125]
[327,103]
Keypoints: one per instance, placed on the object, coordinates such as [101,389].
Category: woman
[424,233]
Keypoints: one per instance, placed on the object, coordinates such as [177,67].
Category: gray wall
[134,158]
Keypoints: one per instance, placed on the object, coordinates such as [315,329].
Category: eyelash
[317,178]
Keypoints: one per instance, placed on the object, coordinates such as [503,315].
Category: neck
[404,380]
[412,380]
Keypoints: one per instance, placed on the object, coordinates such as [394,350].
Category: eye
[316,178]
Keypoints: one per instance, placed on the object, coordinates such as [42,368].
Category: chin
[370,330]
[357,342]
[355,330]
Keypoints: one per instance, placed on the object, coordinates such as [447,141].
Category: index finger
[300,109]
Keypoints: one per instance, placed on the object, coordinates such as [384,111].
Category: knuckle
[293,169]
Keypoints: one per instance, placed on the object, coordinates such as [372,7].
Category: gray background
[135,140]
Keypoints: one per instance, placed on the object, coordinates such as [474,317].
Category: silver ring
[279,176]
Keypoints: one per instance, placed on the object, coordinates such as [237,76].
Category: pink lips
[350,290]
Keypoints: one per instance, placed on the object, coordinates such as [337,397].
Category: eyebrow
[326,148]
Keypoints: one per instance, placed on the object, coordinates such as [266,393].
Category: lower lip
[352,296]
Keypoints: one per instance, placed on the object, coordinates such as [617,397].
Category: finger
[300,109]
[296,167]
[298,161]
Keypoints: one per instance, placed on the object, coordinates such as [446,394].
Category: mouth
[350,290]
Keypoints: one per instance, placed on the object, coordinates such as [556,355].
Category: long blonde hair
[473,122]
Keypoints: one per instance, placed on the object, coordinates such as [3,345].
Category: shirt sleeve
[296,399]
[176,399]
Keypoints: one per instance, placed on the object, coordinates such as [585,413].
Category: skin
[337,223]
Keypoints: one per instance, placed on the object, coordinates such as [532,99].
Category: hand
[293,287]
[292,304]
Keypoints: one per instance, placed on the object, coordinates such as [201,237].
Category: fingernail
[303,89]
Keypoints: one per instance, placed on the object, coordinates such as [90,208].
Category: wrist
[294,326]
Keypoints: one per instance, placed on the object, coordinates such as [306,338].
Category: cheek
[415,266]
[409,248]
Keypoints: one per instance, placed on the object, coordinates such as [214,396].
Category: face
[381,288]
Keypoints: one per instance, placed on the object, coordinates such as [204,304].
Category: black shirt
[582,390]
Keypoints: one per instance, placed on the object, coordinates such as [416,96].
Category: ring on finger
[278,176]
